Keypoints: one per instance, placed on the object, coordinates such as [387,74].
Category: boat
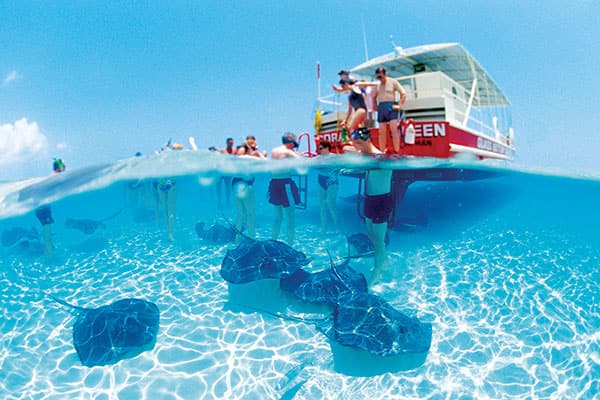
[453,107]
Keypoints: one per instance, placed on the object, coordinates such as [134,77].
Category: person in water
[250,148]
[283,191]
[224,183]
[328,188]
[245,201]
[229,149]
[379,202]
[44,213]
[166,194]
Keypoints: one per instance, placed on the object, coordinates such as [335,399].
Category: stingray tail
[335,270]
[234,228]
[288,317]
[115,215]
[64,303]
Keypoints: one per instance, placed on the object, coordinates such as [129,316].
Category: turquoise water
[506,269]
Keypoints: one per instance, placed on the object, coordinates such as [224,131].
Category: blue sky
[94,82]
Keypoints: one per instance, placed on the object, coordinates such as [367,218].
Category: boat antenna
[318,80]
[396,48]
[362,20]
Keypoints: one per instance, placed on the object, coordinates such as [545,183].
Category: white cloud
[11,77]
[62,146]
[21,141]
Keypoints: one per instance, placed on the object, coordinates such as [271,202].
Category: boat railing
[486,120]
[439,97]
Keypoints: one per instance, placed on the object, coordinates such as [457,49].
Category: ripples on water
[506,270]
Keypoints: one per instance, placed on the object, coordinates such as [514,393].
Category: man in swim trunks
[283,191]
[379,202]
[387,114]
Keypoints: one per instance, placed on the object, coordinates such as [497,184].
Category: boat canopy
[450,58]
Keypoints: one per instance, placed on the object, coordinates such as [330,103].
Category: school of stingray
[358,319]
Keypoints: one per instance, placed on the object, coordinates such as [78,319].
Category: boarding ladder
[302,180]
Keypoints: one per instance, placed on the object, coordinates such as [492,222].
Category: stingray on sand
[253,260]
[360,244]
[216,233]
[108,334]
[17,234]
[372,324]
[89,226]
[323,286]
[366,321]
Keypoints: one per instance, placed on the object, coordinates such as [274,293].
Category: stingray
[366,321]
[360,243]
[372,324]
[89,226]
[108,334]
[324,286]
[253,260]
[17,234]
[216,234]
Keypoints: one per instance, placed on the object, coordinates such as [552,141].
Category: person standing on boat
[387,116]
[344,75]
[379,202]
[283,191]
[357,108]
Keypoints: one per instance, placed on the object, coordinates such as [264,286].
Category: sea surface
[503,262]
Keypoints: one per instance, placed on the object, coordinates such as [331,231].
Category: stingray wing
[108,334]
[370,323]
[253,260]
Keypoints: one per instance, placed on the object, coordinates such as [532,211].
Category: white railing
[458,104]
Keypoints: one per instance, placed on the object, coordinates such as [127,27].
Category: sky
[97,81]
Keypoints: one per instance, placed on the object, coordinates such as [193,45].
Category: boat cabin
[452,107]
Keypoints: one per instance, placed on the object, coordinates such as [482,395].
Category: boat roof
[450,58]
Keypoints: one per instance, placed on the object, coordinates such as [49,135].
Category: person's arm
[292,153]
[402,92]
[348,113]
[374,95]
